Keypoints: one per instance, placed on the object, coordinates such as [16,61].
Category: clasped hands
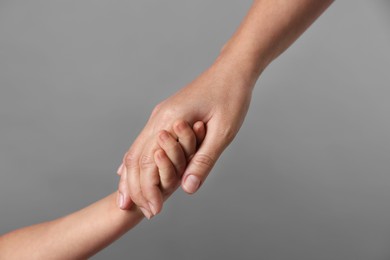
[162,173]
[183,138]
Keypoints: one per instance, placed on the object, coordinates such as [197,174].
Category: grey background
[306,178]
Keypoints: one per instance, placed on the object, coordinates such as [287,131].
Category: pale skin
[220,97]
[87,231]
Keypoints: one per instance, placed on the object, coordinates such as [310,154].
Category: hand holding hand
[169,158]
[220,99]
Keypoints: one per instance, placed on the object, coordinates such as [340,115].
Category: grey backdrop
[306,178]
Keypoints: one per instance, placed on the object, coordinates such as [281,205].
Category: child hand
[174,154]
[163,178]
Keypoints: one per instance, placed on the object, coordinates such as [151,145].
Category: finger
[185,136]
[130,161]
[173,150]
[124,202]
[168,178]
[150,181]
[133,176]
[203,161]
[200,132]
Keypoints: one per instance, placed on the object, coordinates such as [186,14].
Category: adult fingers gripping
[132,163]
[150,184]
[167,176]
[144,189]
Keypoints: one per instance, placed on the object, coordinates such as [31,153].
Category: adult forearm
[76,236]
[221,95]
[269,28]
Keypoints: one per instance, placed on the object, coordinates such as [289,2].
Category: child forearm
[76,236]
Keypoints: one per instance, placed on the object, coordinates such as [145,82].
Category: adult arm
[221,95]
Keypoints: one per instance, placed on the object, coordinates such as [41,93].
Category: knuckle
[168,114]
[146,161]
[163,111]
[228,134]
[203,160]
[131,160]
[156,110]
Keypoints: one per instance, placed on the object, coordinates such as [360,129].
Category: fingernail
[181,126]
[191,184]
[121,200]
[161,155]
[164,136]
[152,208]
[147,214]
[119,169]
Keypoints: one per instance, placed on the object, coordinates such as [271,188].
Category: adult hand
[219,98]
[172,153]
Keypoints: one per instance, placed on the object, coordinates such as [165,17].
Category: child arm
[76,236]
[83,233]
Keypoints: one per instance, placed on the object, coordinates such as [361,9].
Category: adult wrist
[241,63]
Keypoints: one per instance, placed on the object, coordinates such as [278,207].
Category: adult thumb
[204,160]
